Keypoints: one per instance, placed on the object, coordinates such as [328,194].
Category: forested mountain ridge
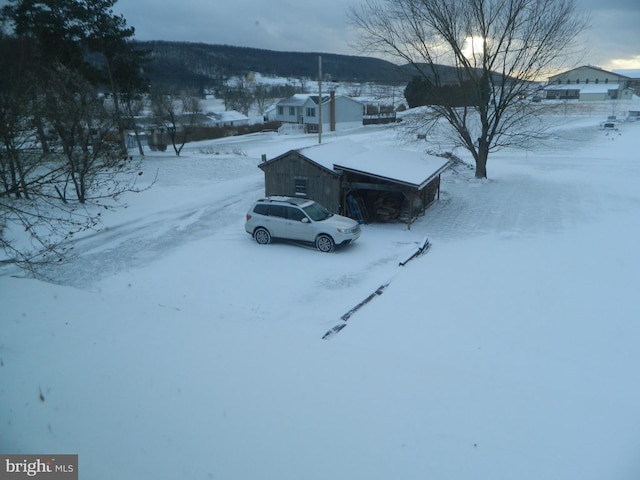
[184,63]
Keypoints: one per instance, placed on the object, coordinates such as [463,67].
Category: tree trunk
[138,142]
[481,168]
[119,122]
[23,178]
[14,178]
[481,158]
[41,135]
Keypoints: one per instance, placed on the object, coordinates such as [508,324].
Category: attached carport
[389,184]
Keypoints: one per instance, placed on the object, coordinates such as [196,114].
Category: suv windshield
[317,212]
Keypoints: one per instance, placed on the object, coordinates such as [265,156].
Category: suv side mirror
[305,220]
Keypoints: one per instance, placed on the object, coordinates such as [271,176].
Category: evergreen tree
[57,59]
[415,92]
[84,36]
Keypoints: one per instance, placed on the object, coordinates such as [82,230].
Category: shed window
[292,111]
[301,186]
[280,110]
[311,112]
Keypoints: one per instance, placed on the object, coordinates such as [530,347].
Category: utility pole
[319,98]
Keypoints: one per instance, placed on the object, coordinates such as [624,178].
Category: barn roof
[586,67]
[407,167]
[586,87]
[628,72]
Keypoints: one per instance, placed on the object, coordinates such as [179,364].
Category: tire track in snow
[143,240]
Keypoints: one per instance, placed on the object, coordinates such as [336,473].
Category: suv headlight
[349,231]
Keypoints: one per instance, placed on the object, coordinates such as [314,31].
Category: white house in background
[302,112]
[230,118]
[270,114]
[588,83]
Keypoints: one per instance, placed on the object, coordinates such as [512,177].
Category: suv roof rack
[290,200]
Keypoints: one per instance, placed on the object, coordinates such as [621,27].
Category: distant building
[589,83]
[302,112]
[377,111]
[230,118]
[633,116]
[633,76]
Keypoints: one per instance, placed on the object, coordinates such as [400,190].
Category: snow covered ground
[175,347]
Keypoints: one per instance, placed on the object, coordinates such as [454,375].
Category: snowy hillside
[175,347]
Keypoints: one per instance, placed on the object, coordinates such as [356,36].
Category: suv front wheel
[325,243]
[262,236]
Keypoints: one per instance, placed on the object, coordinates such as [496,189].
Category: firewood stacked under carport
[386,207]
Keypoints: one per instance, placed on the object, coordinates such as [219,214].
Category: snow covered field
[175,347]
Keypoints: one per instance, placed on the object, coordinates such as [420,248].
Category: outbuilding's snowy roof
[327,154]
[404,166]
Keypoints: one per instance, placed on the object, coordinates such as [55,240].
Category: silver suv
[299,219]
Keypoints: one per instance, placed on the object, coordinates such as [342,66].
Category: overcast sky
[306,26]
[612,42]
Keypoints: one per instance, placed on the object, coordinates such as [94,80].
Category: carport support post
[344,205]
[410,217]
[438,197]
[319,99]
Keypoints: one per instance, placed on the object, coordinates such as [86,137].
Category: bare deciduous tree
[133,105]
[498,48]
[86,132]
[15,127]
[47,198]
[239,96]
[177,113]
[262,95]
[62,158]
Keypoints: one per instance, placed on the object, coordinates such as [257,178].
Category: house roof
[315,98]
[296,100]
[299,99]
[229,115]
[407,167]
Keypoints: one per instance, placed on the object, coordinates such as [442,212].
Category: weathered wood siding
[323,186]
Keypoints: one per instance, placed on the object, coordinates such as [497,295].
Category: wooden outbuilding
[365,183]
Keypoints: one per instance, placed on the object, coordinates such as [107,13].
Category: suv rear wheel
[262,236]
[325,243]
